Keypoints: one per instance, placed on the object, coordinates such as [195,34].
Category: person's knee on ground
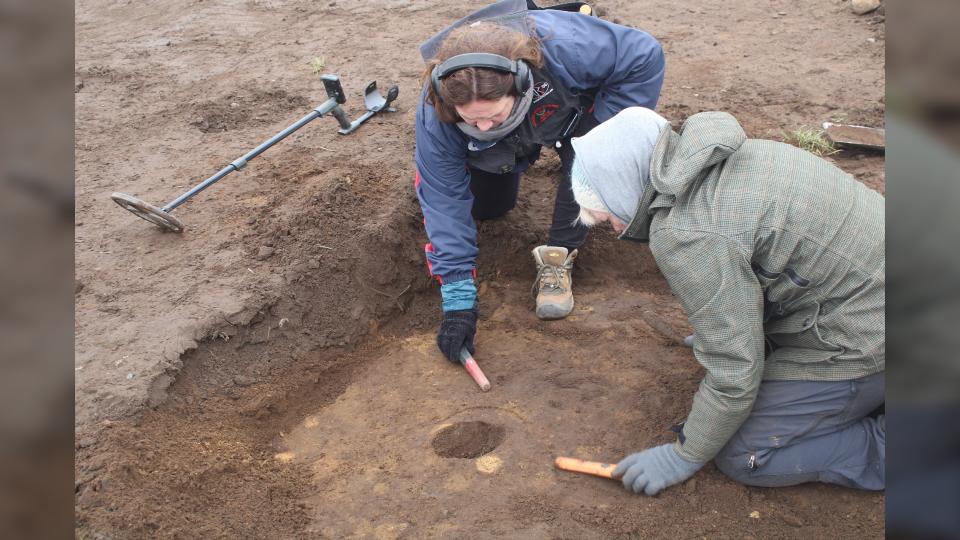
[743,466]
[852,457]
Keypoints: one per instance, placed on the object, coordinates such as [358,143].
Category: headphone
[519,69]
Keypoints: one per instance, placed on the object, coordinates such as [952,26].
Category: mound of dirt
[240,110]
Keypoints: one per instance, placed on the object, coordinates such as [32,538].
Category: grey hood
[705,139]
[613,159]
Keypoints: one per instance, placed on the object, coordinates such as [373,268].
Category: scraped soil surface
[272,372]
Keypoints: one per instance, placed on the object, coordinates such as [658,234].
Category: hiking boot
[554,284]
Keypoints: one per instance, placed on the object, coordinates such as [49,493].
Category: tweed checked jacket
[778,259]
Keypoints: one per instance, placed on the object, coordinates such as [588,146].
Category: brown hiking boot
[554,284]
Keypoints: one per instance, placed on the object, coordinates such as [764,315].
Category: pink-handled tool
[474,370]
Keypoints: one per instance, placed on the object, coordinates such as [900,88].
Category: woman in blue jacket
[499,85]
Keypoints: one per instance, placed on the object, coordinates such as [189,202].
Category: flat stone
[855,136]
[862,7]
[90,499]
[792,520]
[243,380]
[265,252]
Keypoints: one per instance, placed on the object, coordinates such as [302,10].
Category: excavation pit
[468,439]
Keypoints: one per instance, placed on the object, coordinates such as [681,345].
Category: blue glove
[654,469]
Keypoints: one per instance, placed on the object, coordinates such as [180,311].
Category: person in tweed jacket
[778,259]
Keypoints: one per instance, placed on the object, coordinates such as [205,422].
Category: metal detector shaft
[163,218]
[241,162]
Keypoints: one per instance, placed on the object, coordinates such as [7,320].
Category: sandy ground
[270,372]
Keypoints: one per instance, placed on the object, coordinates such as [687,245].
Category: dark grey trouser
[801,431]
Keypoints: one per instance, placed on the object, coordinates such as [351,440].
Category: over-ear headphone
[519,69]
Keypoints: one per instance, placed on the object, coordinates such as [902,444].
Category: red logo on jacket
[542,113]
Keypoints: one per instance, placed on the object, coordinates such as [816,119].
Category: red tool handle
[474,369]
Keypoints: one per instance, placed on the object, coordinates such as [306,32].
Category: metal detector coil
[372,99]
[148,212]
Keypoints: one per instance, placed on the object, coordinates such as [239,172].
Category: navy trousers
[496,194]
[801,431]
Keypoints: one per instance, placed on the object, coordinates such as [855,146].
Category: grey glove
[654,469]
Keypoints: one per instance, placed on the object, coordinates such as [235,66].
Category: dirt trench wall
[334,292]
[204,441]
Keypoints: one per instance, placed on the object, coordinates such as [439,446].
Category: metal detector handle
[331,83]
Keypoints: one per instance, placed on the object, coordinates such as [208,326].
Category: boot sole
[553,312]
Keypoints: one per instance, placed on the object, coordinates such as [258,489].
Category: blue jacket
[625,66]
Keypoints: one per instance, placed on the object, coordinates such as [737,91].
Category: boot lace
[550,279]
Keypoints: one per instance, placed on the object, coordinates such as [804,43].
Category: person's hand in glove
[457,331]
[654,469]
[459,325]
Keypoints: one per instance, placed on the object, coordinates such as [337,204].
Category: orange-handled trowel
[596,468]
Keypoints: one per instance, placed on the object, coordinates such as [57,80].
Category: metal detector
[372,100]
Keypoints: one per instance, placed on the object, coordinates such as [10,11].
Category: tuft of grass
[811,140]
[317,64]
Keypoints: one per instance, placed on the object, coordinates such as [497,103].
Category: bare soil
[271,372]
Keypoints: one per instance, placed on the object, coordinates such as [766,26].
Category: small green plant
[811,140]
[317,64]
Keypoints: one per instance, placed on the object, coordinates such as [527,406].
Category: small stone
[243,380]
[90,498]
[792,520]
[755,515]
[265,252]
[234,105]
[251,220]
[85,442]
[313,264]
[862,7]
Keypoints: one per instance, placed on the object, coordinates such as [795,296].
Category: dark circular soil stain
[468,439]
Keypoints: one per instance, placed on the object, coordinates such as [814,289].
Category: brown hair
[470,84]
